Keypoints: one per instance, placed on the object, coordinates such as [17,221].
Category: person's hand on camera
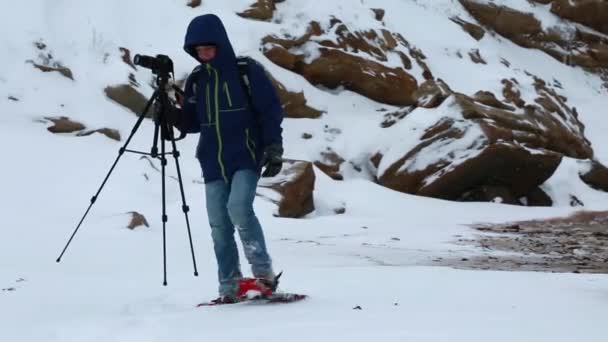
[273,160]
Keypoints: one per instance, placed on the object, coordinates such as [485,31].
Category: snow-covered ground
[109,285]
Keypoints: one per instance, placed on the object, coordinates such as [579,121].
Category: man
[240,134]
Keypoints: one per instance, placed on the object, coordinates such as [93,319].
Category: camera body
[160,65]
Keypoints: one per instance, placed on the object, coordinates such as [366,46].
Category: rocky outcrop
[568,44]
[479,148]
[339,63]
[294,187]
[593,13]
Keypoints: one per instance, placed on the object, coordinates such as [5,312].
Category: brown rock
[476,57]
[577,47]
[296,185]
[337,66]
[490,193]
[108,132]
[597,176]
[126,57]
[194,3]
[593,13]
[378,13]
[487,98]
[137,220]
[431,93]
[66,72]
[294,104]
[475,31]
[497,165]
[330,164]
[538,198]
[260,10]
[64,125]
[128,97]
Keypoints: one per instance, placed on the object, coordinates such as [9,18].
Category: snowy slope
[108,287]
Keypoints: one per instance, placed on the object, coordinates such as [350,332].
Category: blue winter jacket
[234,129]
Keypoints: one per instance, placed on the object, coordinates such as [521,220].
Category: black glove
[273,160]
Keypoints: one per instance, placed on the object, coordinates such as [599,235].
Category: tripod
[160,99]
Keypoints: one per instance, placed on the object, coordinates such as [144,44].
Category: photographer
[240,135]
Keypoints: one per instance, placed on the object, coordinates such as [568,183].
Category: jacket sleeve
[188,120]
[266,103]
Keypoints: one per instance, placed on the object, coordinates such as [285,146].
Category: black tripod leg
[185,207]
[120,153]
[163,162]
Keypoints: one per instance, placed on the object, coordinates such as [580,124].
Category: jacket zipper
[227,91]
[217,122]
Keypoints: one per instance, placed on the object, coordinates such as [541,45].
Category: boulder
[127,96]
[596,176]
[483,149]
[294,186]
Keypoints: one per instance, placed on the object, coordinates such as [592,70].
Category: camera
[160,65]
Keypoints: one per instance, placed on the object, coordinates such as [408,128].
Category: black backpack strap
[242,64]
[194,77]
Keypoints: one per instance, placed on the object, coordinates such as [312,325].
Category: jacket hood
[209,29]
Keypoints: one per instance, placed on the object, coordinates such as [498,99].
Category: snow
[375,255]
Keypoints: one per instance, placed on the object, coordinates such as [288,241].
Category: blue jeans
[229,206]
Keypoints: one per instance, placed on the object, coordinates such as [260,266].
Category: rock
[306,136]
[378,13]
[113,134]
[567,43]
[128,97]
[260,10]
[194,3]
[593,13]
[490,193]
[126,57]
[137,220]
[330,164]
[475,31]
[295,185]
[64,124]
[596,176]
[394,117]
[336,65]
[476,57]
[538,198]
[66,72]
[431,93]
[295,104]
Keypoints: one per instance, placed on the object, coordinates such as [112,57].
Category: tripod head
[162,67]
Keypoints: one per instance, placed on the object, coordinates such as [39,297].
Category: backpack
[242,64]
